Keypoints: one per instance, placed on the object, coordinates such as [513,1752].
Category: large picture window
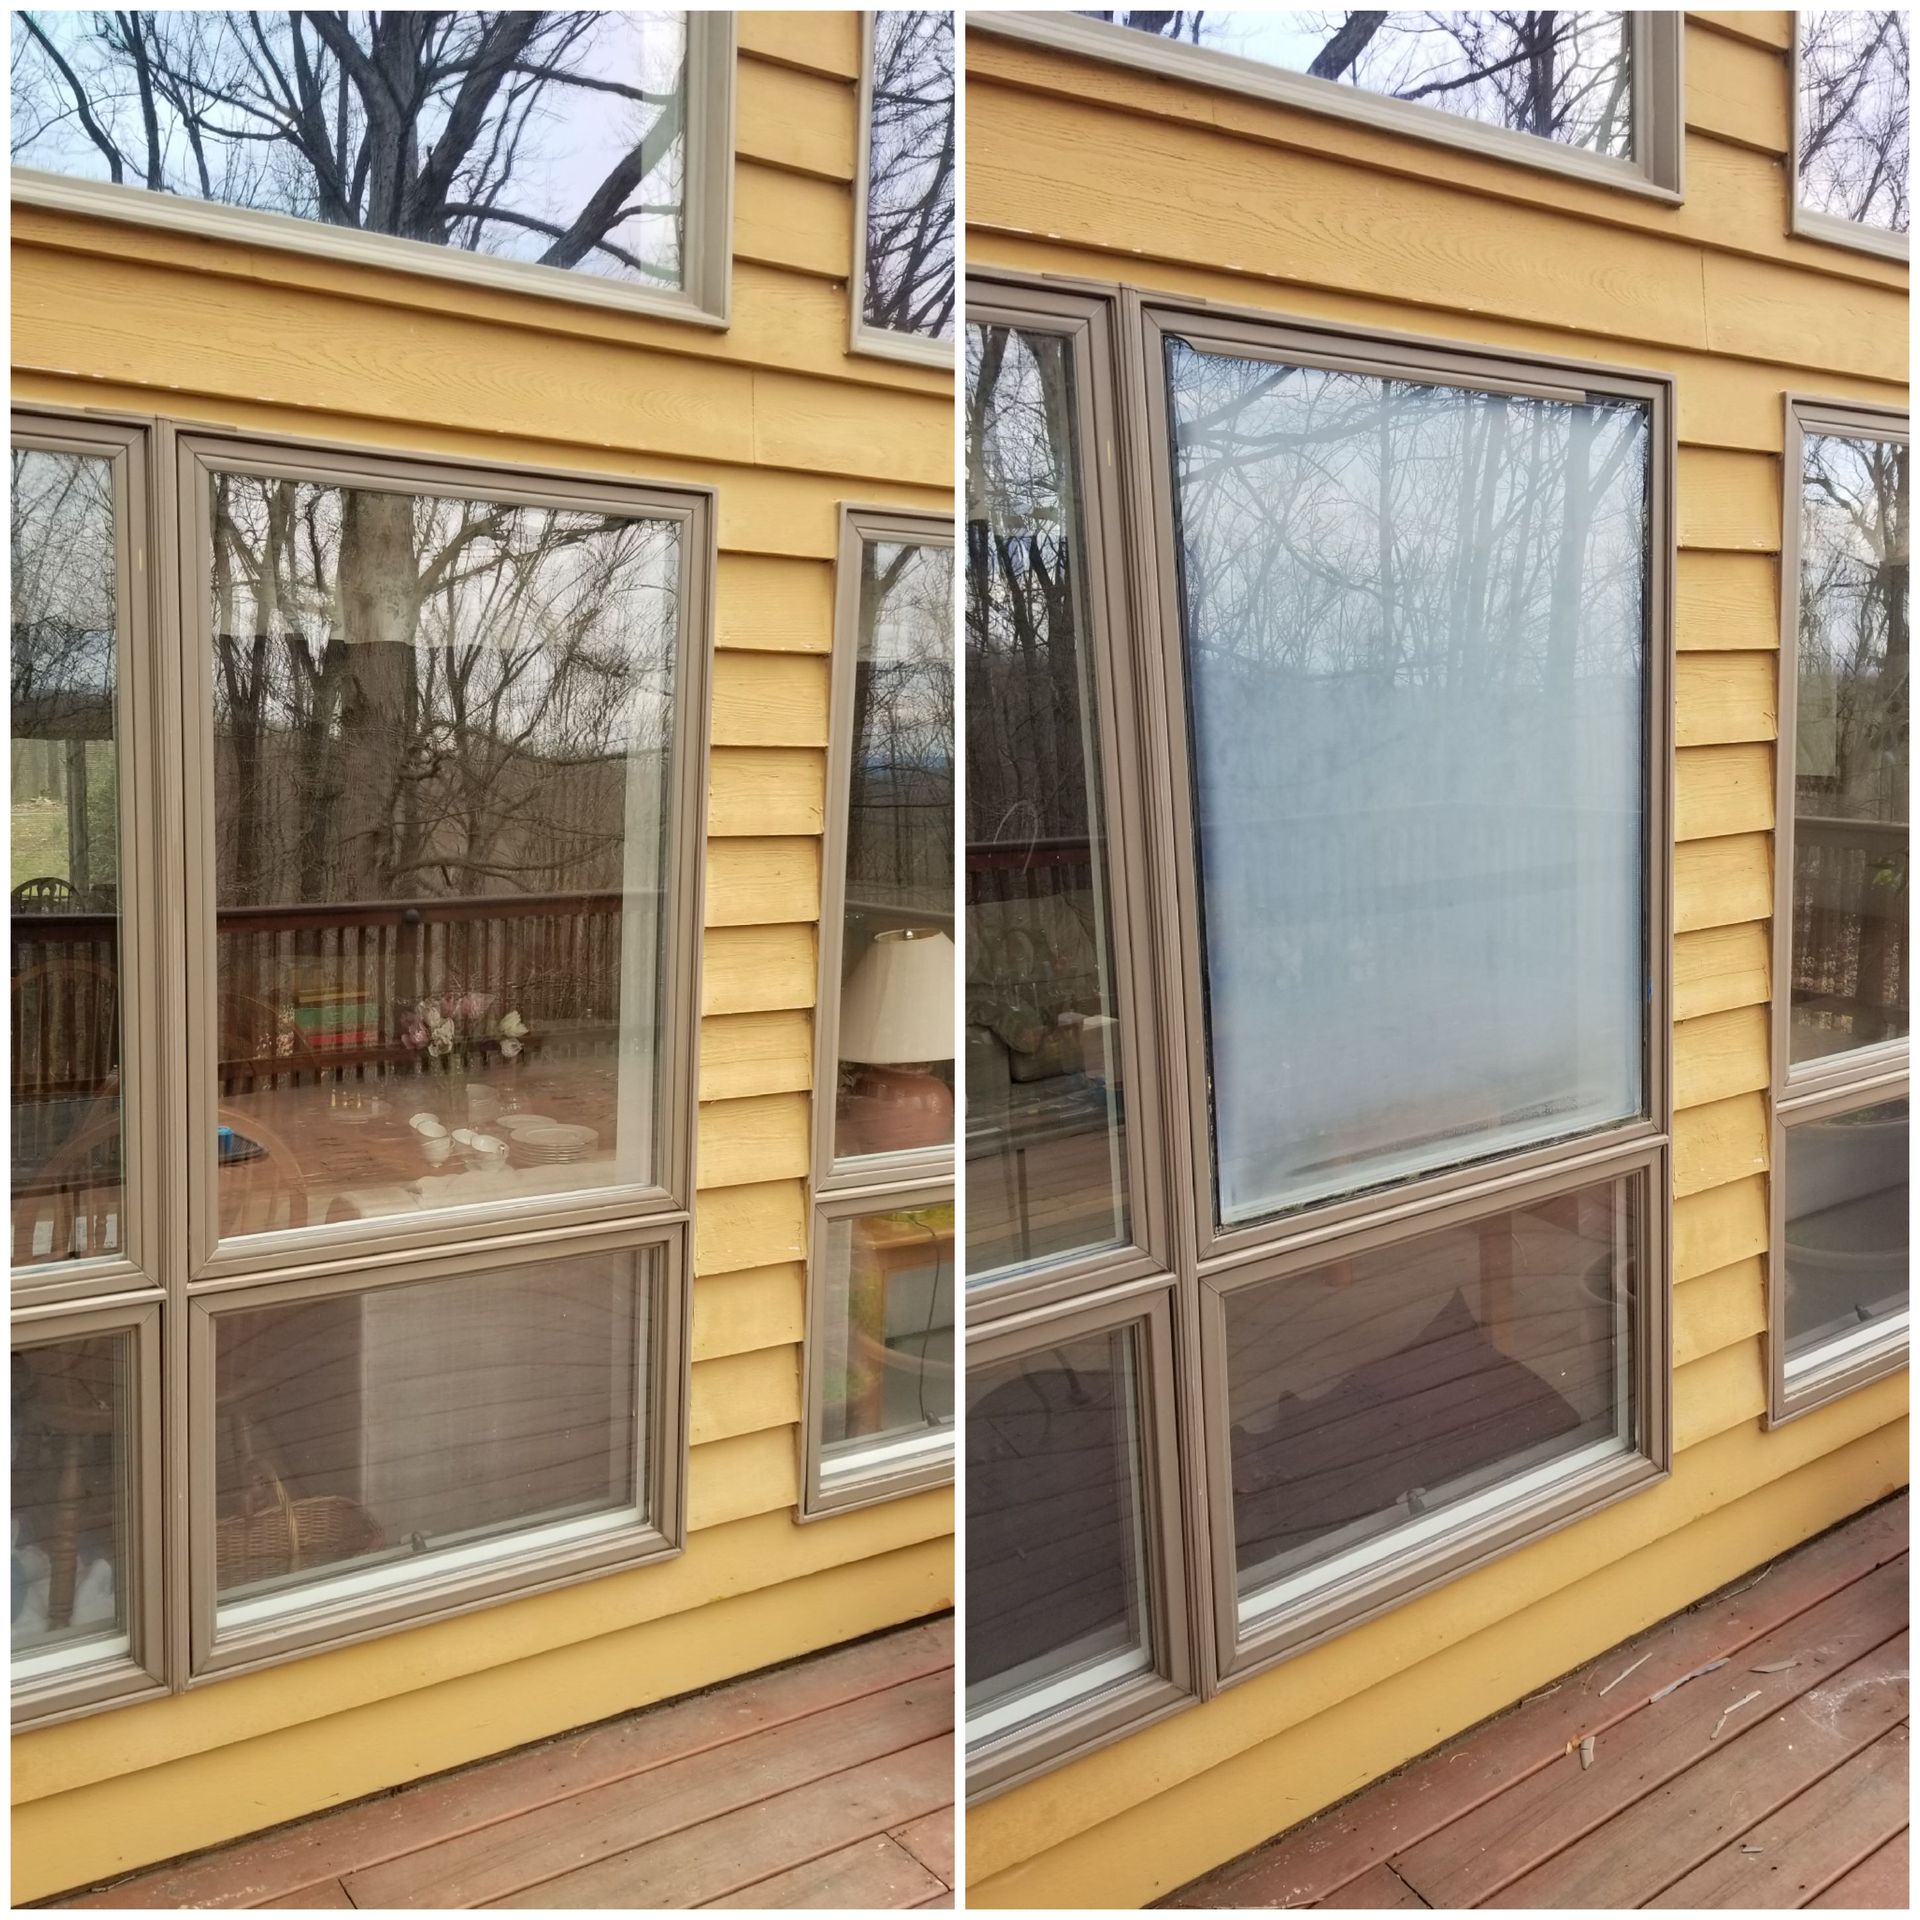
[1592,94]
[1853,100]
[905,266]
[585,155]
[1392,680]
[883,1275]
[423,1094]
[1842,1003]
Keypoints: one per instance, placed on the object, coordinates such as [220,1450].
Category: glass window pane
[1566,77]
[1846,1207]
[72,1501]
[1045,1146]
[896,981]
[1416,647]
[910,167]
[442,778]
[404,1431]
[1057,1580]
[555,138]
[1850,765]
[1855,101]
[1369,1393]
[68,1185]
[889,1341]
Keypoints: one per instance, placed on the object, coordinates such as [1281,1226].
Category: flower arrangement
[436,1025]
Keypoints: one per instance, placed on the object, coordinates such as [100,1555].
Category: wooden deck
[828,1783]
[1776,1779]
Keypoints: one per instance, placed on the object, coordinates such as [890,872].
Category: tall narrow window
[880,1351]
[1046,1117]
[1843,999]
[67,1097]
[1422,627]
[577,153]
[1852,106]
[1077,1622]
[904,278]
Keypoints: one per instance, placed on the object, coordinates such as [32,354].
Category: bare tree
[910,239]
[1855,102]
[555,137]
[1565,76]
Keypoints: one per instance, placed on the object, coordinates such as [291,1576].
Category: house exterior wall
[778,417]
[1103,174]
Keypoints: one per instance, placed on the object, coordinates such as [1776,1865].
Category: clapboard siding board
[1734,190]
[746,1311]
[814,42]
[801,121]
[1107,175]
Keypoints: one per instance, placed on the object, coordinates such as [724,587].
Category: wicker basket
[275,1534]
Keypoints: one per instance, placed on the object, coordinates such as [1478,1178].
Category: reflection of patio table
[1056,1119]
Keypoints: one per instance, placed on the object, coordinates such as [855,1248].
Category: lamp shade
[897,1009]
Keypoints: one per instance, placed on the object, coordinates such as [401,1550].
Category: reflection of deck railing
[1850,921]
[1027,869]
[554,958]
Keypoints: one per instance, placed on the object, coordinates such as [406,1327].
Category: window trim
[202,452]
[863,1485]
[1658,96]
[703,301]
[1804,221]
[116,1679]
[143,1259]
[1834,1083]
[660,1434]
[1116,1712]
[920,350]
[1086,324]
[924,1174]
[1257,334]
[1511,1520]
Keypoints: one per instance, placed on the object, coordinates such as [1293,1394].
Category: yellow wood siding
[786,424]
[1110,175]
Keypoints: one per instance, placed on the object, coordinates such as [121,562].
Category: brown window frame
[1834,1083]
[1659,116]
[1139,644]
[875,1183]
[182,1277]
[1807,222]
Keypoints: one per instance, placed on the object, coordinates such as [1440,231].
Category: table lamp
[896,1024]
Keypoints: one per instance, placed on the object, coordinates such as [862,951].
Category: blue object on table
[236,1147]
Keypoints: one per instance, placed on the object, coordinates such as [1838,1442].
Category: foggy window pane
[1565,77]
[1855,102]
[1415,622]
[554,138]
[910,170]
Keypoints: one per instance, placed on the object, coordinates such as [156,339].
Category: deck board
[826,1782]
[1504,1815]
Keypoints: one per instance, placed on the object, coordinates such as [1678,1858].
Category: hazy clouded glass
[376,1431]
[1057,1587]
[910,166]
[1416,643]
[557,138]
[1855,104]
[65,1094]
[1846,1210]
[442,745]
[1851,751]
[1044,1127]
[1566,77]
[1372,1391]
